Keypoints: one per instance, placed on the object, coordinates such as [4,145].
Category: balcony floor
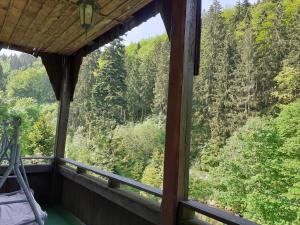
[58,216]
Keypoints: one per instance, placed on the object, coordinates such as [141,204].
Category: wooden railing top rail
[36,158]
[216,214]
[114,177]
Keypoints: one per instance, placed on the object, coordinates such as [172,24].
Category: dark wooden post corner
[182,19]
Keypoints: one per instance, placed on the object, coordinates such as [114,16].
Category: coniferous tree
[82,110]
[162,78]
[15,62]
[109,88]
[2,84]
[245,74]
[133,83]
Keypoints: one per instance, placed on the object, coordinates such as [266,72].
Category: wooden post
[63,73]
[64,108]
[176,166]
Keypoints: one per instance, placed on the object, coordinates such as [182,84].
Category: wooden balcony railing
[35,159]
[87,177]
[216,214]
[115,180]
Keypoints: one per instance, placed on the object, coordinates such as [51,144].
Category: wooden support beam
[70,66]
[176,166]
[63,74]
[54,68]
[64,108]
[166,15]
[198,37]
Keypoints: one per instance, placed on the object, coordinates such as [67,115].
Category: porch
[82,194]
[93,196]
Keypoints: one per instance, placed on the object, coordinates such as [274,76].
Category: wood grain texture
[72,34]
[93,202]
[12,18]
[176,165]
[36,25]
[27,17]
[4,6]
[44,30]
[51,26]
[122,13]
[117,178]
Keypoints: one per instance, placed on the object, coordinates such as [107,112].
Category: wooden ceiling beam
[135,20]
[17,48]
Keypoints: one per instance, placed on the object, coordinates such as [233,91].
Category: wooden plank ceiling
[53,26]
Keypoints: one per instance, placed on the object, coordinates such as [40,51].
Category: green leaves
[31,83]
[41,137]
[259,167]
[288,84]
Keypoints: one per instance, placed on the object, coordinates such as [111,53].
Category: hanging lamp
[87,11]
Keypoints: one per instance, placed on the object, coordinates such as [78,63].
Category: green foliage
[79,148]
[162,77]
[147,66]
[31,83]
[27,110]
[109,87]
[2,80]
[288,84]
[153,173]
[24,88]
[134,145]
[259,167]
[41,137]
[200,186]
[83,113]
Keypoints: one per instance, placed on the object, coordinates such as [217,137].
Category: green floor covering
[58,216]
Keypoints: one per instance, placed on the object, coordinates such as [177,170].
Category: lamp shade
[87,11]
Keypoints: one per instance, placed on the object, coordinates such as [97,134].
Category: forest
[245,150]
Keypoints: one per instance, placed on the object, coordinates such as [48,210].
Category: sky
[153,26]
